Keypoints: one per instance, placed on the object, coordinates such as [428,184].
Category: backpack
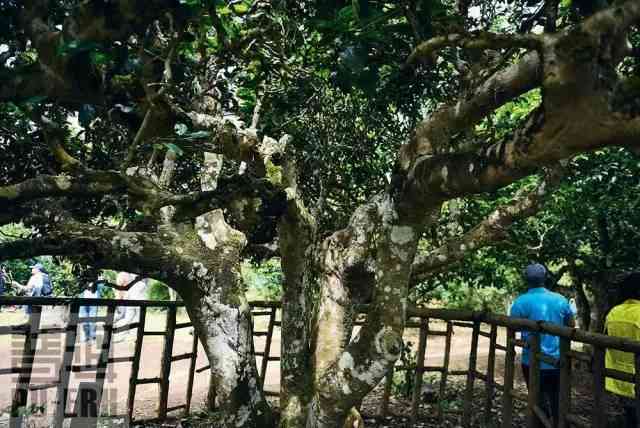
[47,285]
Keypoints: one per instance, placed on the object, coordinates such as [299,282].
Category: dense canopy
[177,138]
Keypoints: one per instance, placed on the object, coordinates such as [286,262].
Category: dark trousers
[630,418]
[549,391]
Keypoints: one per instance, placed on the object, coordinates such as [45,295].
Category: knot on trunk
[214,232]
[388,344]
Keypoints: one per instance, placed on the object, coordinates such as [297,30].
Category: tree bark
[346,374]
[584,308]
[297,234]
[221,317]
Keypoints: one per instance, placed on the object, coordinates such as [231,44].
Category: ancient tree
[170,171]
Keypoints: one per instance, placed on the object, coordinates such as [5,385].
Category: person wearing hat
[541,304]
[624,321]
[34,285]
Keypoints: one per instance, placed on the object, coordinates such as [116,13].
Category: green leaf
[37,99]
[175,149]
[197,135]
[229,28]
[223,11]
[100,58]
[346,13]
[240,8]
[11,107]
[74,47]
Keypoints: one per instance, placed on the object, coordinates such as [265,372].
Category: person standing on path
[93,290]
[36,285]
[624,321]
[134,291]
[541,304]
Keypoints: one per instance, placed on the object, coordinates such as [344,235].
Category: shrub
[264,280]
[468,297]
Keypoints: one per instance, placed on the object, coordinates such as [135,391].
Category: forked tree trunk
[347,370]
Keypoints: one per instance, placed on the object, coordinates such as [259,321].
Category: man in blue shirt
[540,304]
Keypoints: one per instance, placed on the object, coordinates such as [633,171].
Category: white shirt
[138,291]
[36,281]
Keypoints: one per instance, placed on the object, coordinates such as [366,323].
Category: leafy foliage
[157,290]
[264,280]
[458,295]
[587,229]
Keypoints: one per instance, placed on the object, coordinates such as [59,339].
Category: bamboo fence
[485,325]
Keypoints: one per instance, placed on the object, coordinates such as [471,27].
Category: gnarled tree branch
[489,231]
[480,40]
[87,183]
[434,132]
[105,248]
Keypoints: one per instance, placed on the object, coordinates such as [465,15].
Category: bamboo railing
[420,319]
[535,414]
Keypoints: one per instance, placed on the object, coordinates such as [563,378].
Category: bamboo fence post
[637,385]
[192,372]
[445,370]
[135,365]
[471,376]
[599,414]
[21,392]
[419,371]
[564,395]
[509,369]
[534,381]
[165,370]
[103,360]
[267,346]
[65,367]
[491,365]
[388,384]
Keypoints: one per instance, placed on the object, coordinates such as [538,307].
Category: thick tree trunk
[603,295]
[599,309]
[297,232]
[584,308]
[221,317]
[346,374]
[225,331]
[296,385]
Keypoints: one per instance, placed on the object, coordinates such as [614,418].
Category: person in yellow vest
[624,321]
